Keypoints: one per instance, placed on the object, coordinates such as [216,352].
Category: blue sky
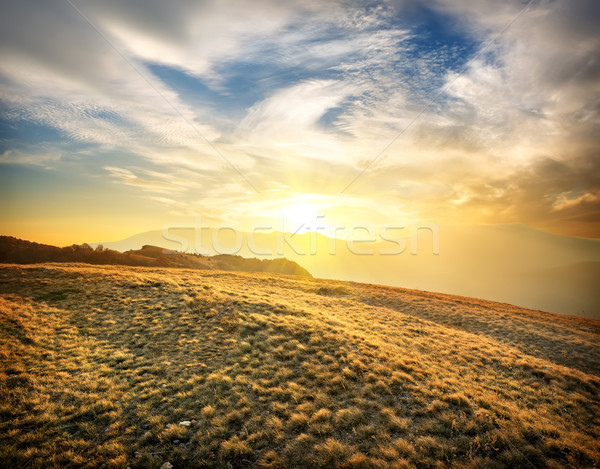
[236,110]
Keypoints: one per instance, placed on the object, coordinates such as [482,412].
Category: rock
[185,423]
[167,465]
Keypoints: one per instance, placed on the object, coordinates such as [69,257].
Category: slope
[143,366]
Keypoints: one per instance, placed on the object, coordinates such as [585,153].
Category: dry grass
[140,366]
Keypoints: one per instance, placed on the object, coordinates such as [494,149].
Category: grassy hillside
[139,367]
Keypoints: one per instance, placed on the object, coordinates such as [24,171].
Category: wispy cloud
[301,96]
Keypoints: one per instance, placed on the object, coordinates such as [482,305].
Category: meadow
[140,367]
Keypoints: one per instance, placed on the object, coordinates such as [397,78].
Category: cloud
[40,157]
[494,122]
[131,179]
[567,200]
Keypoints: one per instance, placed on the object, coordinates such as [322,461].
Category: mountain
[14,250]
[511,263]
[165,367]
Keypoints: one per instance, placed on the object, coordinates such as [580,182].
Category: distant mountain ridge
[18,251]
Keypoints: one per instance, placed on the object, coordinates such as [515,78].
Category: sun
[301,217]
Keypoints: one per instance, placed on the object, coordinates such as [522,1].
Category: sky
[118,117]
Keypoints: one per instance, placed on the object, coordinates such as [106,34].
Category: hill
[18,251]
[512,263]
[144,366]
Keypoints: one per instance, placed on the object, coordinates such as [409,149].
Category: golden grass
[142,366]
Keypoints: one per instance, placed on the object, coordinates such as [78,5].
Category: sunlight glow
[302,216]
